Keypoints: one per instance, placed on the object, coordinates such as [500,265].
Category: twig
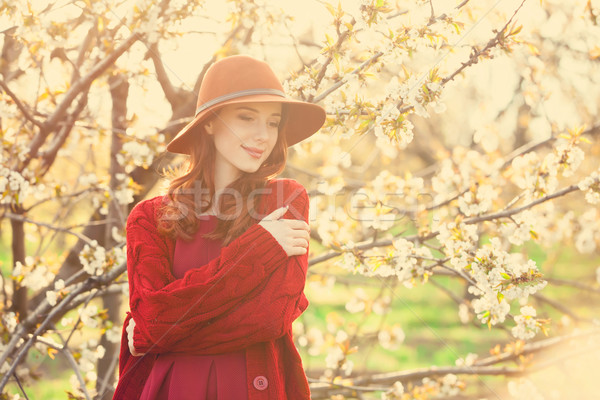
[79,86]
[535,347]
[65,351]
[56,311]
[574,284]
[559,307]
[508,213]
[474,57]
[56,228]
[341,82]
[19,105]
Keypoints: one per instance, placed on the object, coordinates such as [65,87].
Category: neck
[224,177]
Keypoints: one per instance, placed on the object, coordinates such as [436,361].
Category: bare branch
[574,284]
[508,213]
[341,82]
[171,93]
[335,47]
[19,104]
[65,351]
[75,90]
[321,388]
[51,313]
[474,57]
[67,229]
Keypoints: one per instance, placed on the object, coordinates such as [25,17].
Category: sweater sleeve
[250,293]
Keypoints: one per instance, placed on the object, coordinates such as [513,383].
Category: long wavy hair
[191,191]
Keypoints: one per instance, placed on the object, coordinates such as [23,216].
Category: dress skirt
[177,376]
[189,377]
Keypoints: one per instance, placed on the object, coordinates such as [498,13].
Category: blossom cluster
[34,274]
[527,326]
[478,200]
[96,260]
[404,261]
[499,278]
[15,187]
[591,186]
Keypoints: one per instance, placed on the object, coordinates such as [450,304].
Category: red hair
[178,218]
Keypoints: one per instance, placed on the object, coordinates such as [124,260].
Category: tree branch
[20,105]
[51,313]
[474,57]
[508,213]
[76,89]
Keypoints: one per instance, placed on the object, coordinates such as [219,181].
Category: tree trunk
[19,300]
[119,89]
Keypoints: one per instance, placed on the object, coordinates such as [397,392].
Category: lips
[253,151]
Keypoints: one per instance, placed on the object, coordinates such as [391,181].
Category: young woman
[217,266]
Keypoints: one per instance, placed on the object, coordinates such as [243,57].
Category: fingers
[297,224]
[276,214]
[292,234]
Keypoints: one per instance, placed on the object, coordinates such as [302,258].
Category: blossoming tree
[460,156]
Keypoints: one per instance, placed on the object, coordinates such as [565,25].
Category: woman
[217,266]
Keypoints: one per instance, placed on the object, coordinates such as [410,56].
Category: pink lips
[253,151]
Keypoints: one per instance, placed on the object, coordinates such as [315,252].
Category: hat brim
[302,120]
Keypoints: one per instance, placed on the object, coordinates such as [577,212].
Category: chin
[250,170]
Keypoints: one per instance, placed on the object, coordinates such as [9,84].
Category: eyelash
[246,118]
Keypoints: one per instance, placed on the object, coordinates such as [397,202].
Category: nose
[262,132]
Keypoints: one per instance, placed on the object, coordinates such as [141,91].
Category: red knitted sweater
[247,298]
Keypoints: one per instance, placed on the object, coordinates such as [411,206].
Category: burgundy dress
[183,376]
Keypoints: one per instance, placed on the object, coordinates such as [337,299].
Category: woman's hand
[129,331]
[291,234]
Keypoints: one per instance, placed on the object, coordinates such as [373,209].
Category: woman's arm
[251,293]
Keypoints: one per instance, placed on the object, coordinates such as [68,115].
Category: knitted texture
[247,298]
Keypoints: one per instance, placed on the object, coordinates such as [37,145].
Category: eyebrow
[255,110]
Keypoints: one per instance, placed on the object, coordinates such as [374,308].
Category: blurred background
[454,188]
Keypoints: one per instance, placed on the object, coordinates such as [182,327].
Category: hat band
[234,95]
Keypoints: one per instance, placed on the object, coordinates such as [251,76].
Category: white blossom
[138,152]
[51,297]
[34,276]
[124,195]
[591,185]
[358,302]
[391,338]
[113,335]
[479,202]
[450,385]
[88,315]
[93,258]
[468,361]
[464,313]
[9,320]
[526,327]
[395,392]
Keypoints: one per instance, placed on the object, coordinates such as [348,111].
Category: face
[244,136]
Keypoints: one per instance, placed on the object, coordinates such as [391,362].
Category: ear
[208,127]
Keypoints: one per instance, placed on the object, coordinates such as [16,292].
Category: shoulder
[287,192]
[286,185]
[146,209]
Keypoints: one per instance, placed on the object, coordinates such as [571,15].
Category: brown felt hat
[243,79]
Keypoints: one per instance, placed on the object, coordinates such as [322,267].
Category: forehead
[266,108]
